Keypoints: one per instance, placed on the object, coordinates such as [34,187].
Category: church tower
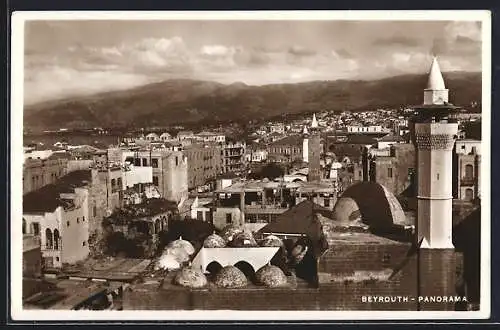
[314,152]
[434,136]
[305,145]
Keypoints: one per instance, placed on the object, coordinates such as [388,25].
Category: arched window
[48,238]
[469,171]
[56,239]
[24,226]
[469,194]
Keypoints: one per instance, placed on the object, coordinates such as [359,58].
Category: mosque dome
[244,239]
[271,241]
[167,262]
[369,203]
[178,253]
[230,277]
[271,276]
[183,244]
[230,231]
[191,278]
[214,241]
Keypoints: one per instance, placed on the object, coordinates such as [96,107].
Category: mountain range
[186,101]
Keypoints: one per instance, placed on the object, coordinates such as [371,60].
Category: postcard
[291,165]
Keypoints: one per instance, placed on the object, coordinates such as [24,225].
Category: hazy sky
[65,58]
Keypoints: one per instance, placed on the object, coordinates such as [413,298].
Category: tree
[271,171]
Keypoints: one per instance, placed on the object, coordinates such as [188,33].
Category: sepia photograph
[250,165]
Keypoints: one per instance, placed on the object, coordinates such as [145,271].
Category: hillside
[188,101]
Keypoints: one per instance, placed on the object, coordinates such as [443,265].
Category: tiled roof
[294,140]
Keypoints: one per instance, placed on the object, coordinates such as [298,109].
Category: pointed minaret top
[314,123]
[436,81]
[304,130]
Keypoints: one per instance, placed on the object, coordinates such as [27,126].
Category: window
[469,171]
[154,162]
[326,202]
[469,194]
[57,258]
[94,211]
[386,259]
[48,239]
[84,243]
[229,218]
[77,220]
[137,162]
[155,180]
[176,161]
[119,183]
[67,223]
[83,218]
[36,228]
[199,215]
[24,226]
[389,172]
[437,176]
[144,162]
[56,239]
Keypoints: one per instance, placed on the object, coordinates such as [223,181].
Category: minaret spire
[314,123]
[436,92]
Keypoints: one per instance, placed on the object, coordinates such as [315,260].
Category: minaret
[314,152]
[305,145]
[434,136]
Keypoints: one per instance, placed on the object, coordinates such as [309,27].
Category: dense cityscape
[322,207]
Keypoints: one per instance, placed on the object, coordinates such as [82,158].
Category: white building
[468,146]
[61,221]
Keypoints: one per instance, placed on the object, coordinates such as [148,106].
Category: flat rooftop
[47,198]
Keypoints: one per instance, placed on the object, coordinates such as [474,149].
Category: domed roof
[214,241]
[191,278]
[167,262]
[230,231]
[183,244]
[244,239]
[369,203]
[178,253]
[271,276]
[230,277]
[272,241]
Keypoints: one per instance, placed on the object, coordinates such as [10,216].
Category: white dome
[180,243]
[168,262]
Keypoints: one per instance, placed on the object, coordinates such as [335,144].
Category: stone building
[41,172]
[170,170]
[286,150]
[204,163]
[394,167]
[233,157]
[263,201]
[467,170]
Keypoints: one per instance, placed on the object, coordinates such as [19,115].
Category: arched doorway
[48,239]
